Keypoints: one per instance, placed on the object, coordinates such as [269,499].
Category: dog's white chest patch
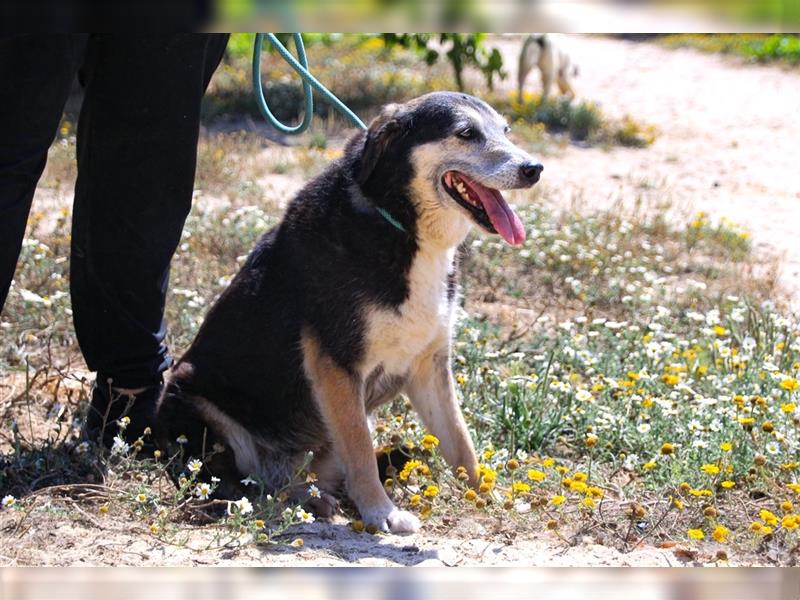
[396,337]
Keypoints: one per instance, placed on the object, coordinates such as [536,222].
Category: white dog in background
[543,51]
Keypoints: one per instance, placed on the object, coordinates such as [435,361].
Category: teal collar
[392,221]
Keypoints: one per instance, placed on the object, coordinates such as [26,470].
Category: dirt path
[728,144]
[97,542]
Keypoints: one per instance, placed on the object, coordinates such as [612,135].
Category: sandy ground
[96,540]
[728,143]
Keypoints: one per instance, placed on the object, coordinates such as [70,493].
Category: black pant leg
[36,73]
[137,146]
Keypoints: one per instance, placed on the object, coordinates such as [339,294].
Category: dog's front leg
[338,396]
[433,394]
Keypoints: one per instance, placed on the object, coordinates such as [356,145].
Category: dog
[346,303]
[554,65]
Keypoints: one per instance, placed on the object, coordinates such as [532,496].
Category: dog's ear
[384,129]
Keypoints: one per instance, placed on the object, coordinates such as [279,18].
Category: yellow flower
[789,407]
[787,506]
[595,492]
[153,528]
[649,465]
[696,534]
[557,500]
[755,526]
[548,462]
[710,469]
[588,502]
[470,495]
[728,484]
[789,384]
[141,498]
[408,468]
[430,441]
[488,454]
[768,517]
[580,476]
[431,491]
[670,379]
[726,446]
[795,487]
[720,330]
[535,475]
[520,487]
[720,534]
[415,499]
[677,503]
[578,486]
[789,522]
[103,508]
[667,448]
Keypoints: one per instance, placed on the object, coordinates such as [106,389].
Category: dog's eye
[506,129]
[468,133]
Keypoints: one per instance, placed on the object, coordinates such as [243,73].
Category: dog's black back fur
[320,268]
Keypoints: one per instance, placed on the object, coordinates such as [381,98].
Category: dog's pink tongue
[504,219]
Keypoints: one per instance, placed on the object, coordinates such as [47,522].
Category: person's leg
[36,73]
[137,145]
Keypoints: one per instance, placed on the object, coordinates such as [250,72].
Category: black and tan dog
[337,309]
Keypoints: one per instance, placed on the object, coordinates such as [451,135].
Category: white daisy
[119,446]
[202,491]
[305,517]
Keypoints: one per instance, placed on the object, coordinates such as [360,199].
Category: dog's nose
[531,171]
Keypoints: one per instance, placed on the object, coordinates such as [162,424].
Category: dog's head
[442,160]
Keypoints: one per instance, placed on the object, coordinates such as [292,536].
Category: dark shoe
[130,416]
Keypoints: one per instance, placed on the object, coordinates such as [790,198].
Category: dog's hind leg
[432,392]
[338,396]
[564,85]
[522,74]
[547,81]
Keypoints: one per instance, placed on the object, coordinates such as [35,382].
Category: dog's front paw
[402,521]
[391,520]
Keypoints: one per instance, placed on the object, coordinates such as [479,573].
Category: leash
[310,83]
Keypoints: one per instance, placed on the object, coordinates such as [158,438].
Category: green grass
[779,47]
[582,121]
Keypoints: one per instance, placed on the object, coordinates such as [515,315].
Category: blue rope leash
[310,83]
